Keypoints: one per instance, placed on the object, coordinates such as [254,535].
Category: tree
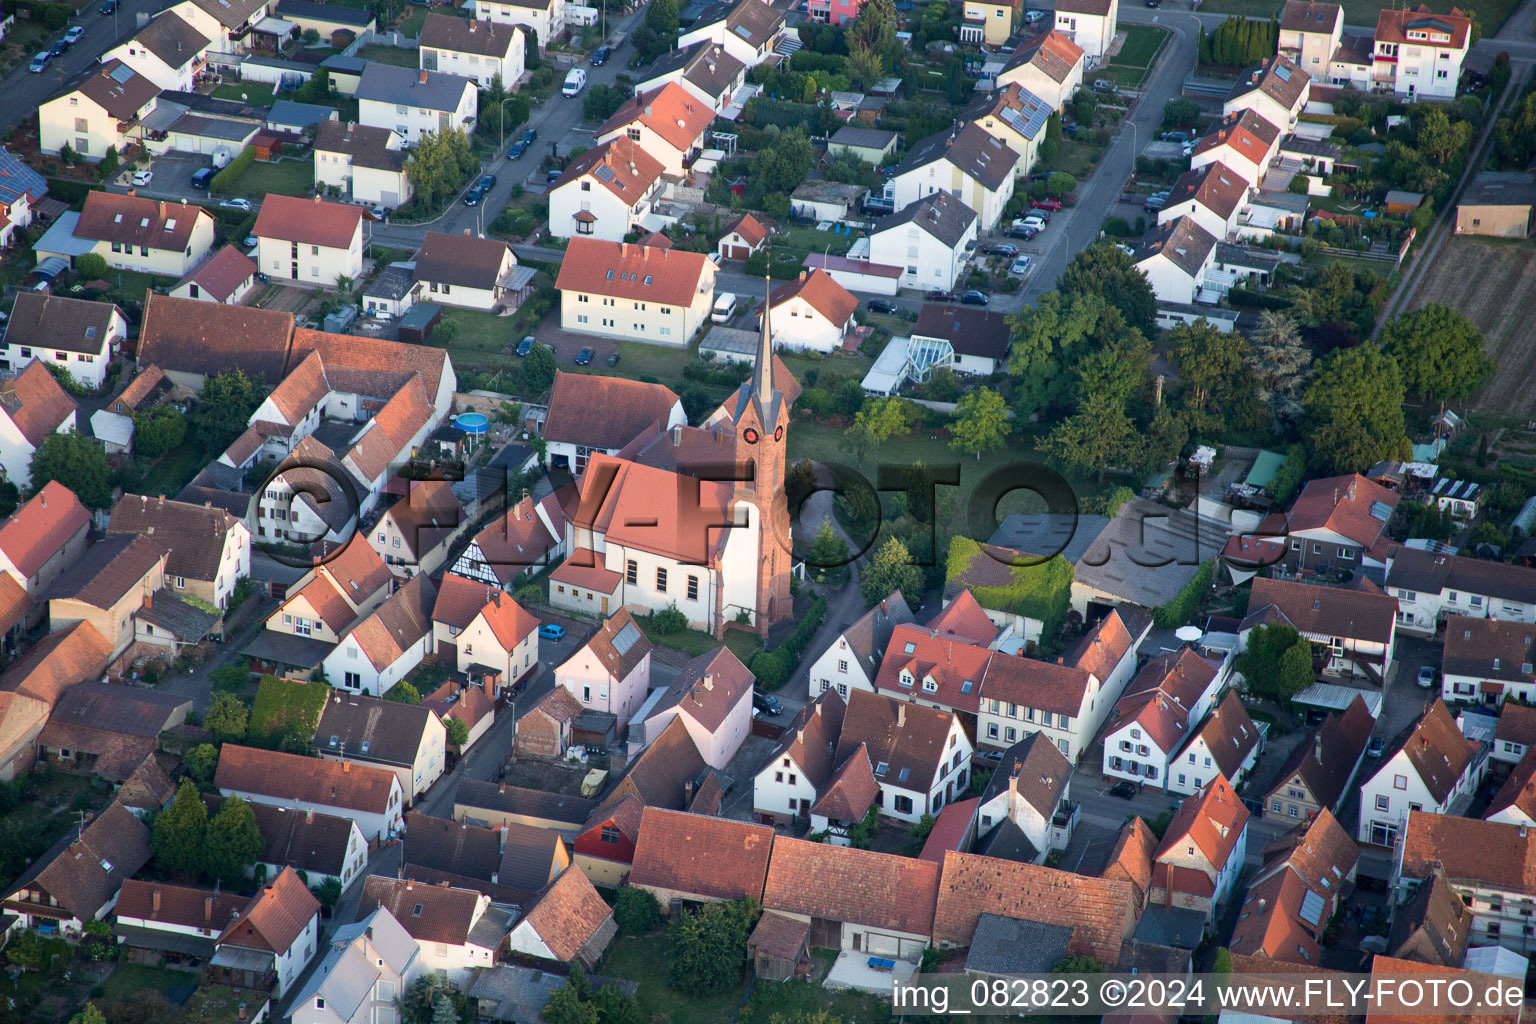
[1438,136]
[1060,183]
[311,36]
[233,843]
[78,463]
[1102,269]
[88,1015]
[1269,665]
[1213,378]
[201,762]
[1095,439]
[538,370]
[828,551]
[224,408]
[328,892]
[443,1011]
[420,1002]
[636,911]
[231,678]
[657,34]
[438,165]
[874,29]
[980,423]
[1165,438]
[1181,113]
[403,693]
[1046,338]
[890,570]
[157,430]
[1281,362]
[227,717]
[458,732]
[566,1006]
[91,265]
[880,420]
[707,947]
[1354,411]
[1439,351]
[179,831]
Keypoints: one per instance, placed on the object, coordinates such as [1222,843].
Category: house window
[693,588]
[1383,803]
[631,572]
[1399,782]
[991,730]
[1012,734]
[661,580]
[1274,805]
[842,690]
[842,666]
[610,834]
[902,805]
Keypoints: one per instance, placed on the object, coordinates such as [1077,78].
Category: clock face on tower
[778,433]
[750,435]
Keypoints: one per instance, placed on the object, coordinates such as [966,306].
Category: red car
[1053,205]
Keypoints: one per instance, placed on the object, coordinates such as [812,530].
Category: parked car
[73,35]
[487,183]
[40,62]
[584,357]
[1154,3]
[1426,676]
[1020,231]
[767,703]
[202,178]
[1050,205]
[472,197]
[1037,223]
[600,56]
[236,204]
[613,360]
[1176,136]
[110,7]
[882,306]
[1033,17]
[552,175]
[575,81]
[551,631]
[1376,746]
[529,134]
[940,295]
[975,298]
[1103,85]
[142,178]
[525,346]
[1020,266]
[1128,250]
[1123,790]
[1003,249]
[1155,203]
[58,48]
[517,149]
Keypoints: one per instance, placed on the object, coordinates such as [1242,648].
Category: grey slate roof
[372,729]
[1184,242]
[1171,926]
[171,39]
[941,215]
[1007,945]
[864,138]
[387,83]
[1492,188]
[299,115]
[40,320]
[324,12]
[971,150]
[519,994]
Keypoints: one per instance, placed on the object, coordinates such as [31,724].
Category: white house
[414,534]
[706,69]
[456,930]
[1432,768]
[1226,744]
[81,881]
[1015,117]
[1356,624]
[606,192]
[210,550]
[309,240]
[611,672]
[748,30]
[150,913]
[1276,90]
[852,661]
[411,102]
[225,277]
[1515,802]
[1211,194]
[407,739]
[921,755]
[1421,51]
[367,967]
[168,51]
[1202,851]
[712,695]
[1488,661]
[669,123]
[811,313]
[21,189]
[801,767]
[479,50]
[568,923]
[934,233]
[590,415]
[1049,68]
[32,406]
[320,845]
[971,165]
[1431,587]
[1244,143]
[968,340]
[71,334]
[1177,258]
[545,19]
[273,940]
[103,112]
[1088,23]
[1158,712]
[742,237]
[529,536]
[1310,33]
[227,22]
[383,648]
[1025,811]
[134,233]
[366,163]
[502,636]
[371,797]
[1515,734]
[462,270]
[1496,888]
[635,292]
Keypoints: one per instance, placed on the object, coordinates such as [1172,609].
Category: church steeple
[762,374]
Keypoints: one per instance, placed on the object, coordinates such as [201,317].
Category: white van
[575,81]
[725,308]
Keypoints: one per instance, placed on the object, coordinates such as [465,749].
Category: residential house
[712,695]
[591,414]
[743,237]
[273,940]
[921,755]
[1487,661]
[327,19]
[370,796]
[1497,204]
[311,241]
[496,803]
[1486,863]
[498,637]
[1431,586]
[479,50]
[1212,195]
[412,103]
[868,145]
[635,292]
[210,550]
[1158,712]
[379,651]
[413,534]
[319,845]
[812,313]
[134,233]
[115,578]
[544,20]
[803,764]
[969,164]
[940,664]
[322,605]
[22,718]
[1089,23]
[1356,625]
[834,12]
[32,406]
[1130,860]
[1226,744]
[1310,33]
[1026,809]
[748,30]
[545,729]
[1015,117]
[1318,774]
[101,111]
[226,277]
[15,608]
[528,537]
[168,51]
[1048,70]
[1202,850]
[705,69]
[21,190]
[1276,90]
[407,739]
[108,730]
[159,923]
[1433,767]
[694,858]
[75,335]
[1176,258]
[60,660]
[511,864]
[935,233]
[611,672]
[1514,736]
[852,661]
[1433,926]
[367,967]
[456,930]
[1244,143]
[1337,524]
[606,192]
[188,341]
[875,903]
[366,373]
[78,880]
[668,123]
[569,923]
[1515,802]
[229,23]
[1022,695]
[365,162]
[1101,912]
[461,270]
[1421,52]
[990,23]
[970,341]
[1301,884]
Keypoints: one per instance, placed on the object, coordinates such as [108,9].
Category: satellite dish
[1189,634]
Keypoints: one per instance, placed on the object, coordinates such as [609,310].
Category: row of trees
[1239,41]
[187,842]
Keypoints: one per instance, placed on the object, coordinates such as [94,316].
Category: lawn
[1075,156]
[411,26]
[694,642]
[133,282]
[130,980]
[478,332]
[793,1000]
[1362,13]
[174,470]
[292,177]
[637,959]
[1132,64]
[396,55]
[256,93]
[811,240]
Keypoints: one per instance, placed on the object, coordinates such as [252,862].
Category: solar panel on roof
[1284,73]
[1381,510]
[626,638]
[1312,908]
[604,173]
[121,74]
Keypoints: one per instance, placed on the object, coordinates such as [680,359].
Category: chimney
[501,840]
[1317,746]
[207,909]
[346,767]
[317,199]
[901,714]
[149,599]
[423,79]
[817,706]
[802,275]
[709,680]
[155,901]
[687,793]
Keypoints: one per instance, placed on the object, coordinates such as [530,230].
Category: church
[694,517]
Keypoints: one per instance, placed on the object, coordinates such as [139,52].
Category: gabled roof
[1183,242]
[483,37]
[1489,649]
[365,145]
[1426,571]
[430,913]
[370,367]
[309,222]
[834,302]
[1517,723]
[752,22]
[869,636]
[397,624]
[205,338]
[136,220]
[35,402]
[1053,53]
[1472,853]
[570,914]
[1229,734]
[120,725]
[621,165]
[194,534]
[559,705]
[970,332]
[83,872]
[518,860]
[714,858]
[143,385]
[1035,770]
[220,273]
[619,644]
[427,517]
[230,13]
[109,571]
[971,150]
[1324,611]
[1326,761]
[749,228]
[516,800]
[307,841]
[1279,78]
[661,776]
[906,740]
[1518,792]
[1433,926]
[1214,186]
[810,741]
[1291,901]
[459,600]
[17,180]
[461,259]
[178,905]
[1103,647]
[171,39]
[1213,820]
[671,111]
[429,90]
[1392,26]
[304,779]
[58,661]
[1035,684]
[858,887]
[1305,16]
[389,434]
[940,215]
[633,272]
[1131,859]
[41,320]
[1161,696]
[1351,506]
[1245,131]
[118,89]
[708,687]
[1437,751]
[851,790]
[359,952]
[385,731]
[604,412]
[643,507]
[43,525]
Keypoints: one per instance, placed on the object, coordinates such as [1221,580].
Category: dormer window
[929,686]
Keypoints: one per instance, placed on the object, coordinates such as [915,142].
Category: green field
[174,470]
[1132,64]
[290,177]
[1362,13]
[396,55]
[256,93]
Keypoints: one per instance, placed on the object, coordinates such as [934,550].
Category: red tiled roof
[517,541]
[627,170]
[42,526]
[1384,966]
[1103,648]
[852,788]
[35,402]
[309,221]
[708,687]
[1438,751]
[560,705]
[959,669]
[949,830]
[1162,694]
[1035,684]
[1131,859]
[304,779]
[57,662]
[1356,614]
[301,389]
[1213,820]
[510,621]
[908,739]
[1229,734]
[569,913]
[459,600]
[1517,723]
[859,887]
[275,917]
[184,905]
[671,111]
[430,913]
[633,272]
[1215,186]
[1342,504]
[643,507]
[715,858]
[605,412]
[574,573]
[221,273]
[824,295]
[749,228]
[114,217]
[1479,854]
[388,436]
[1392,26]
[398,624]
[370,367]
[148,379]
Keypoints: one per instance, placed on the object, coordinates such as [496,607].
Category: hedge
[1179,611]
[773,668]
[68,190]
[282,706]
[231,174]
[1042,591]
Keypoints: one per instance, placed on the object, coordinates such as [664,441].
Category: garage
[194,133]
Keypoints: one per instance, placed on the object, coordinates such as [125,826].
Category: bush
[636,911]
[1059,183]
[669,620]
[91,266]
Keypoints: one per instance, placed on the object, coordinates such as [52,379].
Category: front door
[605,606]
